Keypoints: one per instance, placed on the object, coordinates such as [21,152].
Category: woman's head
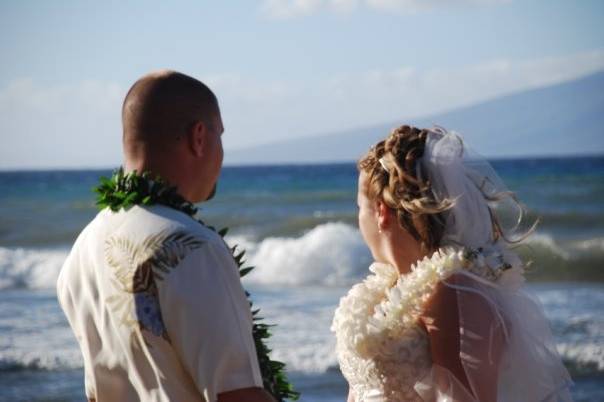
[389,179]
[446,197]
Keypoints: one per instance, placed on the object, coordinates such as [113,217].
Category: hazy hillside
[562,119]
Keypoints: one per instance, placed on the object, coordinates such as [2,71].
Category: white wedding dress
[384,352]
[505,343]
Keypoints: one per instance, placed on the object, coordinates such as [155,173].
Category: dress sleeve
[209,323]
[447,331]
[500,346]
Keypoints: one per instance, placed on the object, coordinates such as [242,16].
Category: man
[154,297]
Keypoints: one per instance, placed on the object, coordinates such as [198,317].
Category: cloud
[409,92]
[60,125]
[262,112]
[79,124]
[413,6]
[284,9]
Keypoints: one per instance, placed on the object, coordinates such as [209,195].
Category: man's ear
[197,137]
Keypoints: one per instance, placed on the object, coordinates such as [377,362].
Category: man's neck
[169,172]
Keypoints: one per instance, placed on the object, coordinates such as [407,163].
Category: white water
[297,284]
[330,254]
[35,334]
[30,268]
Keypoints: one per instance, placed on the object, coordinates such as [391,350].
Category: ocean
[298,225]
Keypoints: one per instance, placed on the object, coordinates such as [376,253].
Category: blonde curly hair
[393,177]
[391,168]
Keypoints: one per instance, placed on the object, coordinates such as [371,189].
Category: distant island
[563,119]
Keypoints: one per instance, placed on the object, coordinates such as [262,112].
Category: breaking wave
[329,254]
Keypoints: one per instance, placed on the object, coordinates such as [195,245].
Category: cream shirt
[156,304]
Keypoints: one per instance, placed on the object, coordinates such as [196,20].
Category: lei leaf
[123,191]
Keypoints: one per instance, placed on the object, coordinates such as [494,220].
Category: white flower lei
[386,304]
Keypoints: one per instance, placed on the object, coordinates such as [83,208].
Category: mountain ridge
[561,119]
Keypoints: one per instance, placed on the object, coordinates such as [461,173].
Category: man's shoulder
[179,231]
[140,228]
[155,229]
[126,238]
[140,222]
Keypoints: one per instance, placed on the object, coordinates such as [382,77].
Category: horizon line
[282,164]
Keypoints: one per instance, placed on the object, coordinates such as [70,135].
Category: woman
[442,316]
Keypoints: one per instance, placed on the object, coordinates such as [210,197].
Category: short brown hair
[166,103]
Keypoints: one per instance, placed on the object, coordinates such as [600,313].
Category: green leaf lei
[126,190]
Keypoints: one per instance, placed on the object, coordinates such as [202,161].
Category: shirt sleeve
[209,323]
[68,306]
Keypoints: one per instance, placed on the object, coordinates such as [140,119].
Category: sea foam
[329,254]
[30,268]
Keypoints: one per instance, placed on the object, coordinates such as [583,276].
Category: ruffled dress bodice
[389,368]
[391,374]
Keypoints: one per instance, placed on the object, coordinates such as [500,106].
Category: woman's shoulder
[477,274]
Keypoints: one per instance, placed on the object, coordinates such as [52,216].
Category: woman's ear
[383,214]
[197,138]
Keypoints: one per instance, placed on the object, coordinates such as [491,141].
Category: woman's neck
[404,251]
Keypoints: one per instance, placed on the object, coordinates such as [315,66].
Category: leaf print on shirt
[136,266]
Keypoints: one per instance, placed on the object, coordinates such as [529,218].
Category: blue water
[293,208]
[567,193]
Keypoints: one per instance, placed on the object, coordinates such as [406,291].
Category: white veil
[506,346]
[458,173]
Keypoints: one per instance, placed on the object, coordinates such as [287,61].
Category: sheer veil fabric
[514,347]
[510,341]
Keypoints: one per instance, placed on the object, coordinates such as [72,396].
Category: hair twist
[394,175]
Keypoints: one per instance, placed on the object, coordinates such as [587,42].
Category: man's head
[172,127]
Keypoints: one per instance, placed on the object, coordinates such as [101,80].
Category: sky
[280,68]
